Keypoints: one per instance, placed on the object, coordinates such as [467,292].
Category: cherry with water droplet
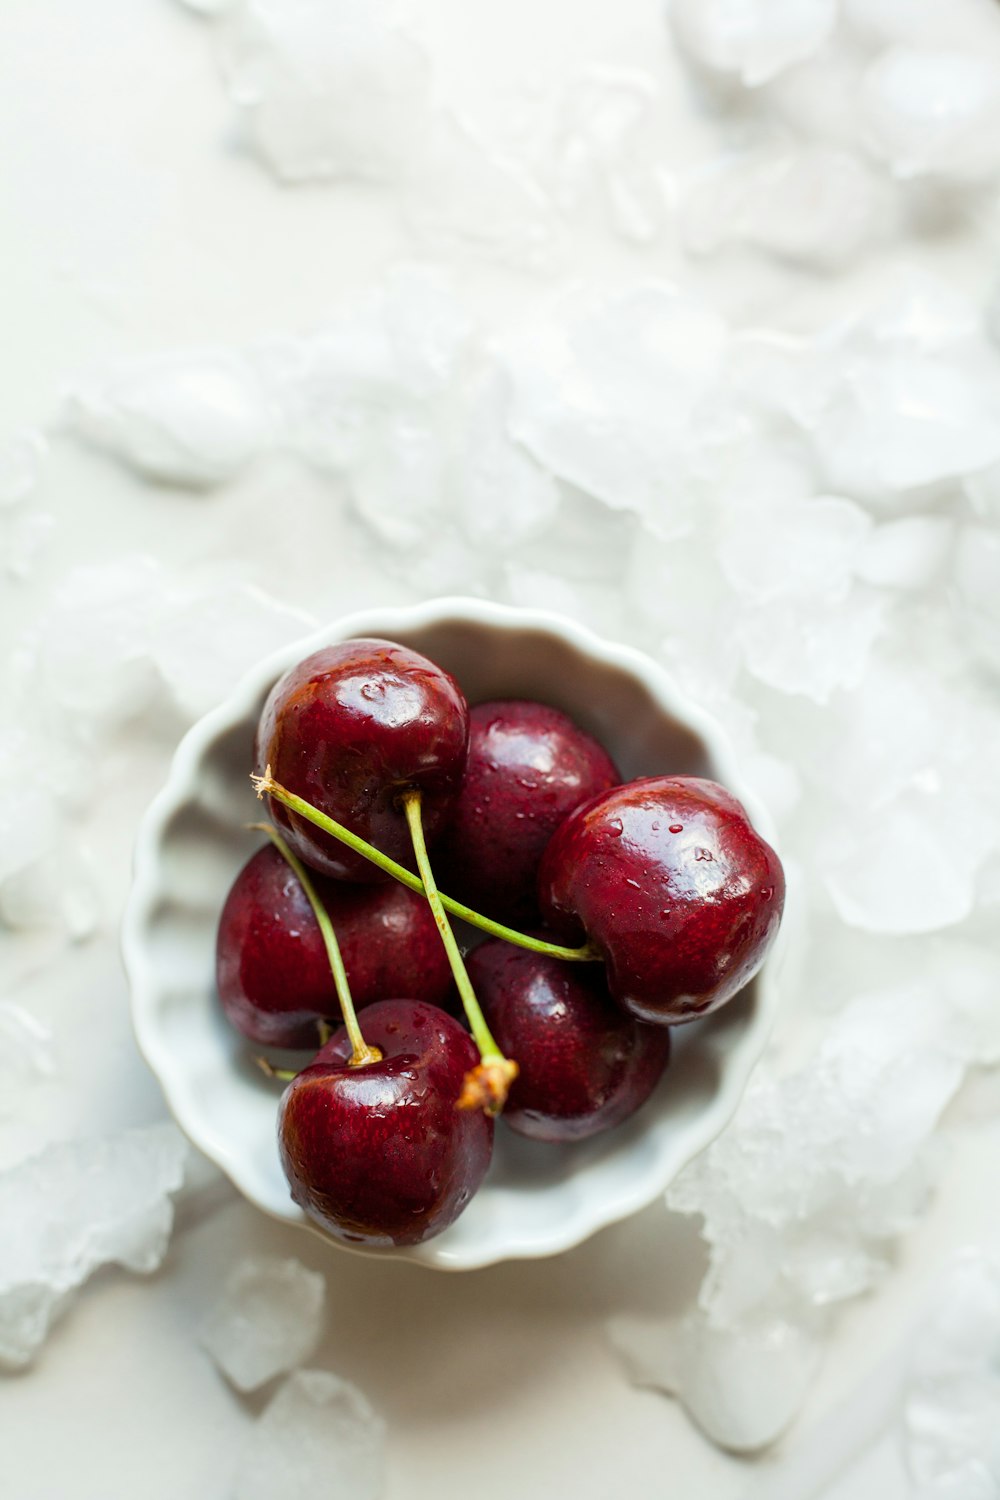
[379,1154]
[272,968]
[349,729]
[585,1066]
[722,912]
[528,766]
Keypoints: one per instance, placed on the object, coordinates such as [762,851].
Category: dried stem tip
[488,1085]
[263,784]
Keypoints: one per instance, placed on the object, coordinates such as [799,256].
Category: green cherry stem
[361,1053]
[266,786]
[486,1086]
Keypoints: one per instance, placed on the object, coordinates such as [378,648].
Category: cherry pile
[633,907]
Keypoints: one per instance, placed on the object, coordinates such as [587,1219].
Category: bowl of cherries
[489,957]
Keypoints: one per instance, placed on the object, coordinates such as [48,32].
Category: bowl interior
[537,1199]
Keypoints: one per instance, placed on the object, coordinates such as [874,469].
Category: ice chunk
[57,890]
[601,155]
[29,822]
[333,89]
[897,420]
[821,1169]
[210,7]
[753,40]
[91,655]
[268,1320]
[902,873]
[803,1195]
[399,485]
[463,195]
[604,393]
[806,550]
[338,389]
[952,1438]
[911,22]
[812,648]
[502,496]
[811,205]
[76,1206]
[21,459]
[977,580]
[742,1386]
[906,554]
[26,1053]
[983,491]
[318,1431]
[23,536]
[194,419]
[933,113]
[208,633]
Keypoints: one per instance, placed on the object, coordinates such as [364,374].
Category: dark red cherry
[528,767]
[584,1064]
[674,887]
[272,968]
[348,730]
[379,1154]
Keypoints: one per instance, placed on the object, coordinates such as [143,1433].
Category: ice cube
[329,89]
[58,890]
[399,485]
[318,1435]
[743,1386]
[753,40]
[911,22]
[933,113]
[22,537]
[952,1438]
[210,7]
[339,388]
[211,631]
[30,822]
[90,658]
[812,648]
[810,205]
[465,196]
[26,1053]
[74,1207]
[601,155]
[193,419]
[806,550]
[503,498]
[983,491]
[268,1319]
[906,554]
[898,421]
[21,459]
[902,873]
[977,580]
[604,392]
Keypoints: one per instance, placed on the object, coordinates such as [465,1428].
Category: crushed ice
[803,523]
[267,1320]
[73,1208]
[317,1428]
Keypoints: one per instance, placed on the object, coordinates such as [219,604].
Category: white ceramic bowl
[537,1199]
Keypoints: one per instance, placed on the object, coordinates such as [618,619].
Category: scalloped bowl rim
[735,1067]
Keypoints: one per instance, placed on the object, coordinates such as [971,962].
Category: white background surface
[130,221]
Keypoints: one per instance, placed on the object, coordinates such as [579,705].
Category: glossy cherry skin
[672,884]
[379,1155]
[529,766]
[349,729]
[272,969]
[585,1065]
